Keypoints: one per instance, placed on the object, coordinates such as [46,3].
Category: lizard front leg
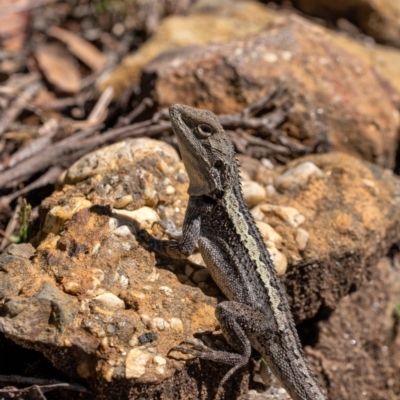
[176,248]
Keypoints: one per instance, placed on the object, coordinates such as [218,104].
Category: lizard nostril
[218,164]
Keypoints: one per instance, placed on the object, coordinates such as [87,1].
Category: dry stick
[5,235]
[44,158]
[99,111]
[51,126]
[71,148]
[25,380]
[19,104]
[51,155]
[139,109]
[12,223]
[48,178]
[266,124]
[23,6]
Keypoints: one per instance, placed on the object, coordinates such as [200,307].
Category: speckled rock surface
[331,95]
[377,18]
[103,309]
[335,224]
[214,22]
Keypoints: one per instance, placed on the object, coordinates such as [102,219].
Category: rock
[268,232]
[359,338]
[212,23]
[100,307]
[110,301]
[176,324]
[253,193]
[349,223]
[301,238]
[135,363]
[58,215]
[143,218]
[298,176]
[376,18]
[384,59]
[278,258]
[201,275]
[331,92]
[289,214]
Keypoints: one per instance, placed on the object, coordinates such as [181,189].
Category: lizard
[257,313]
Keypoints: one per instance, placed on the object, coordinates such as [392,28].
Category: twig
[99,111]
[43,383]
[5,235]
[49,128]
[19,104]
[49,177]
[45,158]
[261,104]
[23,6]
[139,109]
[12,223]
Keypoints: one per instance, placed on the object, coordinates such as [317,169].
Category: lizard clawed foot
[198,349]
[167,225]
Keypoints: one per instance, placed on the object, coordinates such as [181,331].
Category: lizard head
[206,150]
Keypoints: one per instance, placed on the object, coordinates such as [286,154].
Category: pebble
[169,190]
[98,273]
[71,287]
[58,215]
[197,259]
[122,231]
[288,214]
[257,214]
[267,163]
[201,275]
[159,360]
[278,258]
[153,276]
[297,177]
[143,218]
[269,233]
[145,319]
[302,237]
[253,193]
[160,370]
[188,270]
[176,324]
[133,342]
[95,248]
[124,281]
[110,300]
[123,201]
[166,290]
[113,224]
[135,363]
[271,191]
[160,324]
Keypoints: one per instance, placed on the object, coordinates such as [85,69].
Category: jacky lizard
[257,312]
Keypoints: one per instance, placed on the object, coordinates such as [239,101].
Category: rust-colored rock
[215,23]
[377,18]
[101,308]
[331,95]
[358,346]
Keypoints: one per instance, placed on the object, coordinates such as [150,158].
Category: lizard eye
[204,130]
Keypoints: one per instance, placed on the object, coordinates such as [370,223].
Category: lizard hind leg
[234,334]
